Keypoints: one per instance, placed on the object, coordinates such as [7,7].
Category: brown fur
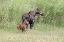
[22,26]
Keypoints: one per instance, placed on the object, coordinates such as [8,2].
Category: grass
[39,33]
[12,26]
[12,10]
[32,36]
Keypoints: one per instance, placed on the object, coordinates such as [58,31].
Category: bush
[12,10]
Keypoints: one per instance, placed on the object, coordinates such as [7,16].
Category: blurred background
[11,12]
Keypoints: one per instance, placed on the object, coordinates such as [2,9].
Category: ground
[32,36]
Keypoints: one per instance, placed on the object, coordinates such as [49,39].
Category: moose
[30,16]
[22,26]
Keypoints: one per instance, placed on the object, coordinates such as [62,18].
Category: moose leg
[22,30]
[31,25]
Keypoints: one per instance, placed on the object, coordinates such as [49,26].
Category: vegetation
[12,11]
[32,36]
[48,28]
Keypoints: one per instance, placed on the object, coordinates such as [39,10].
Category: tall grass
[11,11]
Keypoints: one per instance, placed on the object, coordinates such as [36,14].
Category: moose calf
[22,26]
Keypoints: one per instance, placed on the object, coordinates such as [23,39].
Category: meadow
[47,28]
[42,33]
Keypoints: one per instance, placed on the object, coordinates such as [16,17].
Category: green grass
[46,27]
[12,26]
[12,10]
[49,28]
[34,35]
[39,33]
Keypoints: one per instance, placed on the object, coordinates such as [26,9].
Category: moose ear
[37,8]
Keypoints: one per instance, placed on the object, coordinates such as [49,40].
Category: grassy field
[39,33]
[49,28]
[32,36]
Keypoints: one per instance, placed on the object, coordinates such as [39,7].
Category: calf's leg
[22,30]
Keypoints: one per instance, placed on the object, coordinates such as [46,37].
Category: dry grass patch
[32,36]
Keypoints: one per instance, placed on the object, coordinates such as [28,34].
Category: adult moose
[30,17]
